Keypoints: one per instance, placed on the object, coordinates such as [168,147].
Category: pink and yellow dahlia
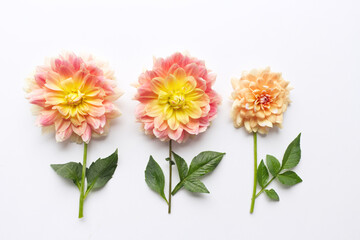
[75,95]
[260,99]
[176,98]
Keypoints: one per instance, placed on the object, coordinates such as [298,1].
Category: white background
[315,44]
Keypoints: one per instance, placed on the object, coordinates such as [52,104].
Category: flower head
[75,95]
[176,98]
[260,99]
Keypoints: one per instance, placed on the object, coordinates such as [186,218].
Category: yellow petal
[73,111]
[194,95]
[193,110]
[163,97]
[168,111]
[83,108]
[68,85]
[157,85]
[182,116]
[190,85]
[153,109]
[173,84]
[95,101]
[173,123]
[63,110]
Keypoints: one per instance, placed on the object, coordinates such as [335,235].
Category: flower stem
[82,187]
[255,173]
[170,174]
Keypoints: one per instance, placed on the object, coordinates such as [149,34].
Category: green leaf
[273,164]
[202,164]
[195,185]
[154,177]
[292,154]
[177,187]
[70,170]
[101,171]
[289,178]
[181,166]
[262,174]
[272,194]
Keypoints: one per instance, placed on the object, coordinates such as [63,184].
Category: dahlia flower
[176,98]
[260,99]
[176,101]
[75,95]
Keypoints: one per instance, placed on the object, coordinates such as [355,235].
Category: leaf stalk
[263,189]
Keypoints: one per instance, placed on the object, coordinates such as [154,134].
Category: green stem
[263,189]
[255,173]
[82,187]
[170,174]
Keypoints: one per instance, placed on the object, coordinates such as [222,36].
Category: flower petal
[173,123]
[48,117]
[190,85]
[175,135]
[96,111]
[180,74]
[87,134]
[194,95]
[79,130]
[63,135]
[158,121]
[193,110]
[153,109]
[168,111]
[53,81]
[171,83]
[182,116]
[157,85]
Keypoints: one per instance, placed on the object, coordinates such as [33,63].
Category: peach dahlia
[260,99]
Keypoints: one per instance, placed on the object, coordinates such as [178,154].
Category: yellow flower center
[177,100]
[74,98]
